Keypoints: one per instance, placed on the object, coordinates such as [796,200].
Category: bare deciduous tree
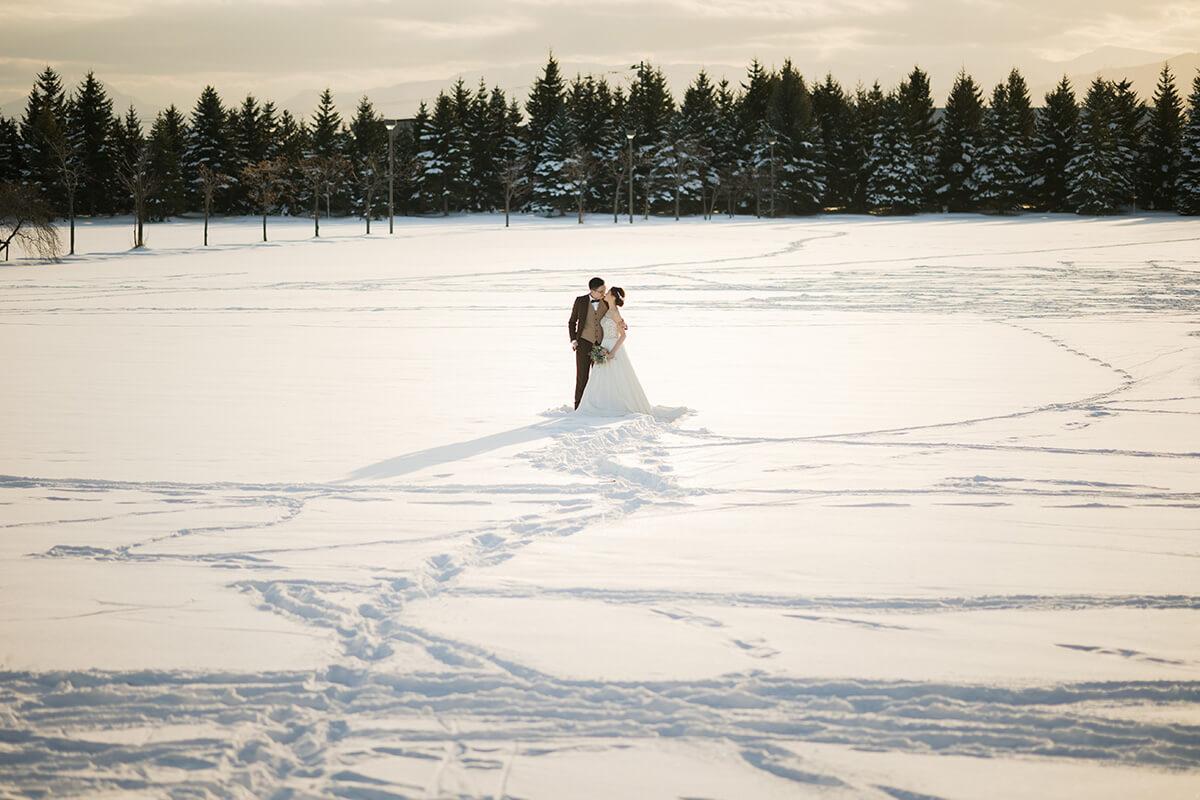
[28,220]
[579,170]
[266,182]
[139,179]
[515,181]
[370,177]
[70,172]
[210,180]
[322,173]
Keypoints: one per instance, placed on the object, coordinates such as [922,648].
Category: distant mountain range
[402,99]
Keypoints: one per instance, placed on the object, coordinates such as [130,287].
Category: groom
[586,333]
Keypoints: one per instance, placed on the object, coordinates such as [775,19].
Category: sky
[165,51]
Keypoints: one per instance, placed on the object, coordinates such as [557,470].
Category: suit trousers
[583,366]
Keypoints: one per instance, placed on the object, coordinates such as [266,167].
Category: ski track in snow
[308,733]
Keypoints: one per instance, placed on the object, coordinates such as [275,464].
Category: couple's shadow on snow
[562,420]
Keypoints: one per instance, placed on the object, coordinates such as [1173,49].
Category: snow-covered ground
[310,518]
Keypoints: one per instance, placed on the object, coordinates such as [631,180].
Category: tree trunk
[71,202]
[368,205]
[677,202]
[507,200]
[616,200]
[316,214]
[264,223]
[206,223]
[580,203]
[141,216]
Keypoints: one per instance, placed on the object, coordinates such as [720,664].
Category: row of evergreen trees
[774,144]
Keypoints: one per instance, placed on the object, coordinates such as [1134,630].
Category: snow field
[309,518]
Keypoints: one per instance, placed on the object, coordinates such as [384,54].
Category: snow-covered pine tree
[10,151]
[753,134]
[700,120]
[1160,136]
[1096,174]
[725,156]
[589,113]
[90,132]
[368,154]
[1187,185]
[796,155]
[869,108]
[962,130]
[247,145]
[44,125]
[916,104]
[288,147]
[479,130]
[1024,128]
[545,105]
[444,157]
[1054,146]
[682,162]
[555,189]
[208,144]
[1129,114]
[168,135]
[893,180]
[328,141]
[996,177]
[834,117]
[613,156]
[649,112]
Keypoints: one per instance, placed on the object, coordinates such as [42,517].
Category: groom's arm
[575,322]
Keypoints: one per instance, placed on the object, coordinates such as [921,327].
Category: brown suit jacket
[584,322]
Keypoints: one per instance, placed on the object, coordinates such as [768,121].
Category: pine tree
[328,141]
[208,145]
[869,120]
[544,108]
[700,120]
[1054,146]
[42,128]
[553,186]
[90,130]
[893,183]
[249,141]
[753,134]
[648,112]
[1096,174]
[369,159]
[1024,130]
[1187,185]
[444,157]
[589,115]
[288,148]
[834,118]
[997,179]
[1128,113]
[1161,135]
[11,160]
[962,130]
[795,157]
[916,105]
[168,136]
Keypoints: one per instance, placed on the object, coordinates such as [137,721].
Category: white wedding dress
[613,389]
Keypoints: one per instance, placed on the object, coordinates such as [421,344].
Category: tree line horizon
[774,144]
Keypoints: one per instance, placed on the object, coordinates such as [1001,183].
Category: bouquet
[600,355]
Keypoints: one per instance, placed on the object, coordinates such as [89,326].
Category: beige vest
[592,330]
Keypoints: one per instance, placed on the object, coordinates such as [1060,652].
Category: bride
[613,389]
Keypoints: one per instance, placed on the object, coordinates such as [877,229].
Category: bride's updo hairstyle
[618,295]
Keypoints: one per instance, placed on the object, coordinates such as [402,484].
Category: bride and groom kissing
[605,383]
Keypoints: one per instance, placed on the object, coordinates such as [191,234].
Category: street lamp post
[391,129]
[629,136]
[773,178]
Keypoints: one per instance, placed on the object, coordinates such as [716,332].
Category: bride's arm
[620,337]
